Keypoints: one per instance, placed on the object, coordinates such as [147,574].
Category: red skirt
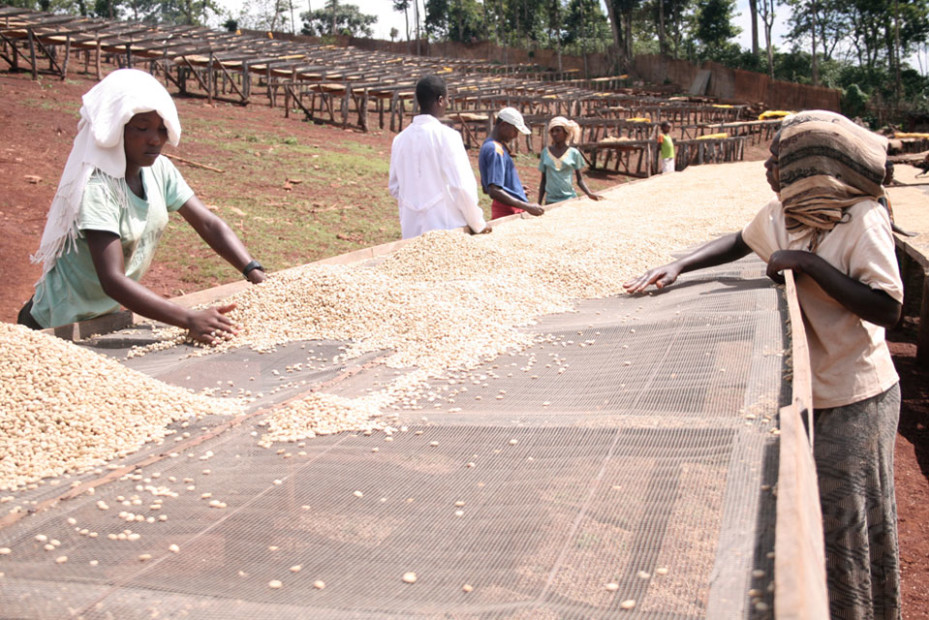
[498,210]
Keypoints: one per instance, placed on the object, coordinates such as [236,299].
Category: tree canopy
[338,18]
[868,44]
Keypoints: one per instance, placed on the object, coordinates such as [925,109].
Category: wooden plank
[101,325]
[914,269]
[800,558]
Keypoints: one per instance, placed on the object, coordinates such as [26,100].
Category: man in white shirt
[430,173]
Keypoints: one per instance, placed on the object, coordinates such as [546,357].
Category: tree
[664,20]
[767,17]
[339,19]
[554,23]
[621,24]
[269,15]
[714,24]
[587,29]
[404,7]
[454,20]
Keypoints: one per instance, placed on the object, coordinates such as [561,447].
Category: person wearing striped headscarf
[560,161]
[828,226]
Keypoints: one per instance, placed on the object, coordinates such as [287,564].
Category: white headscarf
[107,108]
[571,128]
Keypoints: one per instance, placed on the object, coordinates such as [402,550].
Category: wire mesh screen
[623,466]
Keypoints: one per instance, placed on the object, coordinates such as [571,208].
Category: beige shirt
[849,356]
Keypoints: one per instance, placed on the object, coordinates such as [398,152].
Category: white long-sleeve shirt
[432,179]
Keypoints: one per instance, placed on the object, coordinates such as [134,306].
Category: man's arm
[463,187]
[500,195]
[393,182]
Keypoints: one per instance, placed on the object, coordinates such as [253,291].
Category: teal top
[667,146]
[71,290]
[559,171]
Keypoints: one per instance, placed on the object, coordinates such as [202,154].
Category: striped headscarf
[826,163]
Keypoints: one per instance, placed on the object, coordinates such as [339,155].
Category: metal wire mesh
[631,447]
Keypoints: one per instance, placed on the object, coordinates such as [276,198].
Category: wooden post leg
[345,104]
[32,60]
[286,101]
[363,112]
[64,66]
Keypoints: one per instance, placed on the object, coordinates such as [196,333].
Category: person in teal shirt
[110,209]
[560,161]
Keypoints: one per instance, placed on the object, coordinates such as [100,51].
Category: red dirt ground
[37,125]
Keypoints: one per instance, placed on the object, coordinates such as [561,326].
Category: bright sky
[387,18]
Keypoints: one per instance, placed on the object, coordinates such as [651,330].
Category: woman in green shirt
[560,162]
[110,209]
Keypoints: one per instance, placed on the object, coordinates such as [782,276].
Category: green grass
[339,204]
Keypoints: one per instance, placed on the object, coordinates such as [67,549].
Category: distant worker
[430,173]
[110,209]
[666,148]
[499,177]
[560,161]
[827,226]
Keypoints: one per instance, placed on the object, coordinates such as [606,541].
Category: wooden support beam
[32,61]
[197,76]
[64,66]
[16,53]
[346,98]
[209,81]
[297,100]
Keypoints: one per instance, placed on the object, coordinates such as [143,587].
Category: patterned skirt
[854,451]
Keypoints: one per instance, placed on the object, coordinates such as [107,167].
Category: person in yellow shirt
[666,148]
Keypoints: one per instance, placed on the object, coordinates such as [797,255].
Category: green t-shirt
[667,146]
[71,291]
[559,172]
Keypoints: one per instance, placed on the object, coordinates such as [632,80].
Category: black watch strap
[251,267]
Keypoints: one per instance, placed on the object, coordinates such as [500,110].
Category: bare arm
[870,304]
[107,254]
[542,188]
[583,185]
[723,250]
[219,236]
[500,195]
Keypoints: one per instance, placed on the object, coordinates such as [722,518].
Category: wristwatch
[252,266]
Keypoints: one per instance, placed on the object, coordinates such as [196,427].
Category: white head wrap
[107,108]
[571,128]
